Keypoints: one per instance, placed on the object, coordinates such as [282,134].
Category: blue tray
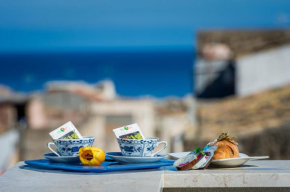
[106,166]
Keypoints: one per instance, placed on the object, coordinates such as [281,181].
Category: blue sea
[135,73]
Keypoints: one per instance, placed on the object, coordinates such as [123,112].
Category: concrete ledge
[244,189]
[253,176]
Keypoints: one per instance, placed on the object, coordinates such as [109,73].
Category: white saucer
[117,156]
[64,159]
[230,162]
[237,161]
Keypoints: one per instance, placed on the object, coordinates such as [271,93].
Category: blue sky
[58,25]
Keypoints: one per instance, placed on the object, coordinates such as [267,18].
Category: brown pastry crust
[226,150]
[227,147]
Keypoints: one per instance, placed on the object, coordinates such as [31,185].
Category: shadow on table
[216,168]
[41,169]
[239,167]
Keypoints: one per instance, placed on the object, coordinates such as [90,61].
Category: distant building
[241,62]
[254,76]
[105,116]
[103,90]
[66,101]
[12,108]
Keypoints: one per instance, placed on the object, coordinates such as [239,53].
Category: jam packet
[129,132]
[197,159]
[66,131]
[194,160]
[209,151]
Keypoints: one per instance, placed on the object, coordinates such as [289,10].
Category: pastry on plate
[227,147]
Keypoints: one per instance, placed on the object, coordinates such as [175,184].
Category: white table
[253,176]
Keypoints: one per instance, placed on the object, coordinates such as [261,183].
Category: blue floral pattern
[73,141]
[70,147]
[137,148]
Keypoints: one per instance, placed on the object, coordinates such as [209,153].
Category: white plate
[237,161]
[64,159]
[117,156]
[178,155]
[231,162]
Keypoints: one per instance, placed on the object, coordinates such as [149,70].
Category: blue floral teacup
[70,147]
[140,148]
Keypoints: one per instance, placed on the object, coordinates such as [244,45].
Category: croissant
[227,147]
[225,150]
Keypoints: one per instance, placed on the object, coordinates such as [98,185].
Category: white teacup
[140,148]
[70,147]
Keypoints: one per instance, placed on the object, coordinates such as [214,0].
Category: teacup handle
[161,142]
[48,145]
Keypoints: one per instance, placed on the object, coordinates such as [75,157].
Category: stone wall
[244,116]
